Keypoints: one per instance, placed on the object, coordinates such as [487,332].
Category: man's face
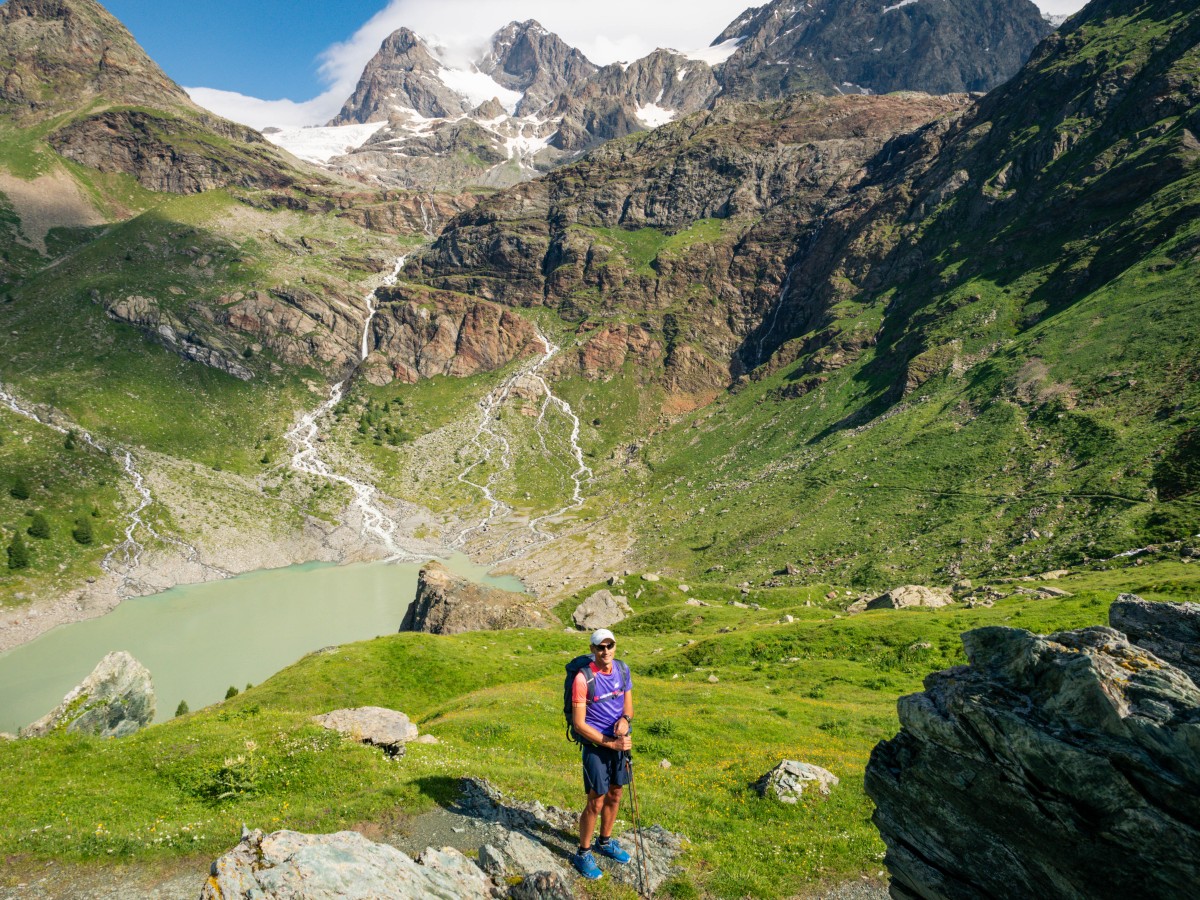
[604,652]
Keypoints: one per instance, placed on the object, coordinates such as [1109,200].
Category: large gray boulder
[288,865]
[908,596]
[116,700]
[449,604]
[384,728]
[788,781]
[1065,766]
[512,854]
[603,609]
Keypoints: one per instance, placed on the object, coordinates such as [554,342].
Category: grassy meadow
[722,692]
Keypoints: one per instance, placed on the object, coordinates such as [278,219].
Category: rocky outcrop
[172,154]
[449,604]
[116,700]
[187,332]
[909,596]
[298,325]
[287,864]
[419,334]
[384,728]
[515,855]
[603,609]
[867,47]
[1170,631]
[1058,766]
[788,781]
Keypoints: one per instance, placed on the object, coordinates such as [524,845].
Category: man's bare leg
[597,804]
[608,812]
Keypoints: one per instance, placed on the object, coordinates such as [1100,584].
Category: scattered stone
[287,864]
[790,779]
[977,603]
[1074,752]
[665,764]
[541,886]
[713,679]
[684,588]
[427,739]
[519,856]
[962,586]
[858,606]
[1051,576]
[649,576]
[793,569]
[5,736]
[450,604]
[614,580]
[692,601]
[115,700]
[1050,593]
[832,595]
[384,728]
[912,595]
[601,610]
[788,620]
[738,604]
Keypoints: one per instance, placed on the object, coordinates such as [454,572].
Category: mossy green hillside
[39,475]
[722,692]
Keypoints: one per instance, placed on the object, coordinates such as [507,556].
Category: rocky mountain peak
[867,46]
[401,76]
[527,58]
[60,54]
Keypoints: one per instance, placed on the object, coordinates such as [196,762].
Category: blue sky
[289,63]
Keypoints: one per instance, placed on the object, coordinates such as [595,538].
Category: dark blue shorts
[603,768]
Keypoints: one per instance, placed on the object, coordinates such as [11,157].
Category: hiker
[601,713]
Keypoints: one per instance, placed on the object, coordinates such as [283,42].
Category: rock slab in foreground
[116,700]
[375,725]
[288,865]
[450,604]
[1065,766]
[911,595]
[603,609]
[788,781]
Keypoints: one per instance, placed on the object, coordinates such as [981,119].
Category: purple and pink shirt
[608,700]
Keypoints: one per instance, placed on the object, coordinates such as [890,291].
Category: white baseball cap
[602,634]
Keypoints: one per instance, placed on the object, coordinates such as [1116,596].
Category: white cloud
[606,32]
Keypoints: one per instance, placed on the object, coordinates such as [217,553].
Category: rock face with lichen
[1058,766]
[288,864]
[116,700]
[449,604]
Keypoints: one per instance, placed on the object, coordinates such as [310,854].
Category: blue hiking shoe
[611,849]
[585,864]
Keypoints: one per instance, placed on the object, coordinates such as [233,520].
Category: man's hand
[622,727]
[621,742]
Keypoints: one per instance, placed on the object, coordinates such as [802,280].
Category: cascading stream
[487,440]
[305,458]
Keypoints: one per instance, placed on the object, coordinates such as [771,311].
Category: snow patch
[321,144]
[652,115]
[888,9]
[718,53]
[479,88]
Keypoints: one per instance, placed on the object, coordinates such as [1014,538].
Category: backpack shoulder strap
[589,678]
[626,681]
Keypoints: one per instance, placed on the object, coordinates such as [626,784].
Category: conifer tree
[231,693]
[19,490]
[39,527]
[181,709]
[18,553]
[82,532]
[69,443]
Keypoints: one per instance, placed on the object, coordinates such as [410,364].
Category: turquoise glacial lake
[197,640]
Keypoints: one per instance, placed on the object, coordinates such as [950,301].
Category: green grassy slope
[821,689]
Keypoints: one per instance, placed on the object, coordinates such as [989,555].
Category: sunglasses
[605,646]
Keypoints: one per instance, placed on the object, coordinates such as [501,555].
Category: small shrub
[182,709]
[660,728]
[82,532]
[231,693]
[19,489]
[18,553]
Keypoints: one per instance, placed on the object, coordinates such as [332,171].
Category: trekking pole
[643,873]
